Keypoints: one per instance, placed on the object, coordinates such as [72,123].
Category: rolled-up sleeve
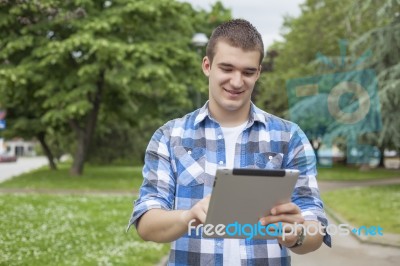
[306,192]
[158,188]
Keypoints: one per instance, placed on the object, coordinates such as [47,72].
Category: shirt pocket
[268,160]
[189,165]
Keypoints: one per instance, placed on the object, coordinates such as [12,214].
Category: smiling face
[232,75]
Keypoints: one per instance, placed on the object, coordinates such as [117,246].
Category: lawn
[90,230]
[94,178]
[369,206]
[130,178]
[71,230]
[353,173]
[39,229]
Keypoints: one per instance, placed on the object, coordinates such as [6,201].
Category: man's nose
[237,80]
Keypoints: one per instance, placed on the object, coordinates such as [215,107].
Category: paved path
[22,165]
[347,250]
[332,185]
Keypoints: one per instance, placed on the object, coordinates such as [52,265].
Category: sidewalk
[346,250]
[349,250]
[326,186]
[22,165]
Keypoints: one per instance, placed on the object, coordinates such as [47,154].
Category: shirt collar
[256,114]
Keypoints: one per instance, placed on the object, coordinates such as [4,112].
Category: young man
[228,131]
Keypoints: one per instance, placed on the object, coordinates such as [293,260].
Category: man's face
[232,76]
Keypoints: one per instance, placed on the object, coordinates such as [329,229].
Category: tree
[364,25]
[24,121]
[17,81]
[121,137]
[384,42]
[83,58]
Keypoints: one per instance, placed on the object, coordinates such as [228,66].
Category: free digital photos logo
[251,231]
[343,103]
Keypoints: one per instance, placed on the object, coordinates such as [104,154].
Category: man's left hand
[287,214]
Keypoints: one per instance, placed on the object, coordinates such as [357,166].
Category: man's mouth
[233,92]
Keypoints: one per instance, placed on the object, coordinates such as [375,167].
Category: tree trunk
[80,152]
[41,137]
[382,159]
[316,144]
[85,133]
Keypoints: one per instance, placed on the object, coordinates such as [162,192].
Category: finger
[202,217]
[288,228]
[286,208]
[206,198]
[284,218]
[205,204]
[205,209]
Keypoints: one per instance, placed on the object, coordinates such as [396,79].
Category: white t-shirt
[231,246]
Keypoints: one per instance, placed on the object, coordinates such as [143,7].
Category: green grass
[90,230]
[71,230]
[369,206]
[94,178]
[348,173]
[130,178]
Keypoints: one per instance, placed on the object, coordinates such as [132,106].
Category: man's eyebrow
[225,65]
[230,65]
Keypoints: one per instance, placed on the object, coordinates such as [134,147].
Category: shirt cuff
[143,207]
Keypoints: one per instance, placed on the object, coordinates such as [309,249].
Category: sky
[265,15]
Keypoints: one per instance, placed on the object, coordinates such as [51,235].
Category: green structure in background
[340,104]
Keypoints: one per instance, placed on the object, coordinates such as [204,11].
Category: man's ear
[259,71]
[206,66]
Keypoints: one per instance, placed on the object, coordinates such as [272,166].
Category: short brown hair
[239,33]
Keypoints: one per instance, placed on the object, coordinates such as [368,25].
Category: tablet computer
[240,197]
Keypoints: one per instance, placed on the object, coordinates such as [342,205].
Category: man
[228,131]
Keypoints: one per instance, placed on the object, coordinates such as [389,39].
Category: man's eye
[249,73]
[226,69]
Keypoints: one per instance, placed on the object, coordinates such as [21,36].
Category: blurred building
[20,147]
[392,159]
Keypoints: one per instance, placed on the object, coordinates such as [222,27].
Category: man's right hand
[164,226]
[197,212]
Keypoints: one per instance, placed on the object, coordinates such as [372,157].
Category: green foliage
[366,26]
[384,42]
[318,29]
[206,22]
[79,64]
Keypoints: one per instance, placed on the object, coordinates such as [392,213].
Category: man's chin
[232,106]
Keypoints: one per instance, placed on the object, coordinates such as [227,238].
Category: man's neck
[229,118]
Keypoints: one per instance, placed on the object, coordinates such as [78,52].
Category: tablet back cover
[243,196]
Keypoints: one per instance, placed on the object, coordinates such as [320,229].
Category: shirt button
[221,162]
[218,244]
[219,136]
[270,157]
[189,152]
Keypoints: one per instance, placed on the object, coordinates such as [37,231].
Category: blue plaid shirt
[180,163]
